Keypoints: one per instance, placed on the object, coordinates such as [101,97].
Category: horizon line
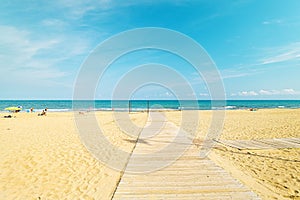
[149,99]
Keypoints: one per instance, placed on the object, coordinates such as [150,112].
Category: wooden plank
[181,190]
[249,143]
[274,143]
[279,143]
[186,177]
[293,140]
[204,196]
[288,142]
[183,180]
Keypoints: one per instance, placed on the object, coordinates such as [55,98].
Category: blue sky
[255,45]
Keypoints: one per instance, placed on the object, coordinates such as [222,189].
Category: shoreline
[143,110]
[140,105]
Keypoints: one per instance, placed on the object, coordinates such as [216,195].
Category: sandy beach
[276,171]
[43,157]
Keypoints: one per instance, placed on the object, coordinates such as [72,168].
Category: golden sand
[276,172]
[246,125]
[44,157]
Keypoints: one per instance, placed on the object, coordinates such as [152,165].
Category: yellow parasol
[13,109]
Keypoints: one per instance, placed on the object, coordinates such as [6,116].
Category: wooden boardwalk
[165,165]
[275,143]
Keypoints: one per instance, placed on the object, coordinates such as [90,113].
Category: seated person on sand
[42,114]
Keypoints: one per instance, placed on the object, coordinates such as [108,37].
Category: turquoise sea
[136,105]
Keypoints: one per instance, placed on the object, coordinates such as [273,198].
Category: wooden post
[148,106]
[129,106]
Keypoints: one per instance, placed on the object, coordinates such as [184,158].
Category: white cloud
[247,93]
[275,21]
[269,92]
[285,53]
[203,94]
[235,73]
[168,94]
[263,92]
[77,9]
[18,50]
[30,60]
[288,54]
[288,91]
[54,23]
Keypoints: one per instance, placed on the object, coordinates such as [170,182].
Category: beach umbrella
[13,109]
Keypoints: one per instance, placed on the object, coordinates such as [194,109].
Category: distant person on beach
[42,114]
[46,109]
[31,109]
